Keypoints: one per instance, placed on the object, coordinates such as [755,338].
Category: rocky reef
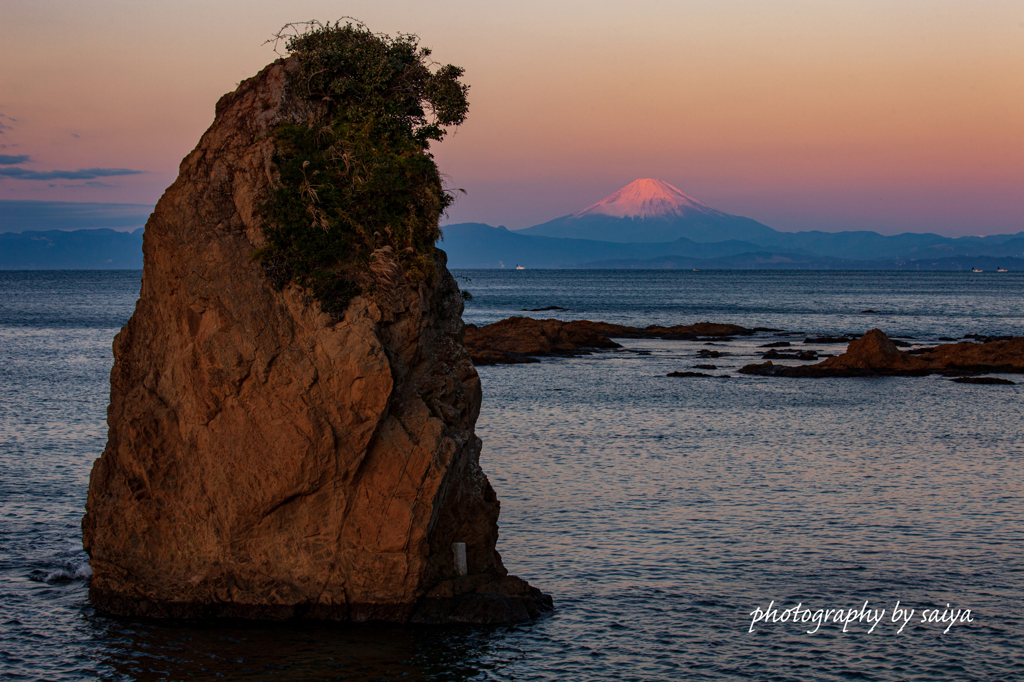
[1003,355]
[874,354]
[267,459]
[524,339]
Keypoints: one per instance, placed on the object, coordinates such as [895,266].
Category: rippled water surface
[658,512]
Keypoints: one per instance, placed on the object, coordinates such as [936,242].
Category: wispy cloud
[3,126]
[8,160]
[82,174]
[89,183]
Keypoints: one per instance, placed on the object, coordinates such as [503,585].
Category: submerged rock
[828,339]
[990,381]
[268,460]
[806,355]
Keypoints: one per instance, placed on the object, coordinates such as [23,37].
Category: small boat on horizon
[977,270]
[1001,270]
[520,267]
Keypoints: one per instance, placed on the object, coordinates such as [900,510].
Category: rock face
[267,461]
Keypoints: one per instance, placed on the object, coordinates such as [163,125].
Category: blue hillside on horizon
[98,249]
[477,245]
[481,246]
[30,215]
[69,235]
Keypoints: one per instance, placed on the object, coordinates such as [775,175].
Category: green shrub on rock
[357,184]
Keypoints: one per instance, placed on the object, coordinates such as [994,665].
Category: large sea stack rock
[267,460]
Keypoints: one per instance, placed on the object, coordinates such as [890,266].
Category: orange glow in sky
[905,116]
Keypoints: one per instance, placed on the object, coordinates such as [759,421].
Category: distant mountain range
[22,216]
[101,249]
[649,224]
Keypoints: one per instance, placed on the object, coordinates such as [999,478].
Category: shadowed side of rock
[266,460]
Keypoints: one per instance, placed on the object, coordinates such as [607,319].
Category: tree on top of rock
[358,194]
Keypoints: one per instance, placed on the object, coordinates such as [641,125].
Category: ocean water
[660,513]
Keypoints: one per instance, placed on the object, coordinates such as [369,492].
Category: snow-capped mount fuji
[649,210]
[648,198]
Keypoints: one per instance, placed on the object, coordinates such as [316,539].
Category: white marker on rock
[459,550]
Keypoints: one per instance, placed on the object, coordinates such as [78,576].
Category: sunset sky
[888,116]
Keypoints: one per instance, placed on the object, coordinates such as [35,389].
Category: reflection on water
[674,507]
[287,651]
[659,512]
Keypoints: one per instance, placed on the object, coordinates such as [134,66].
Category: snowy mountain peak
[647,198]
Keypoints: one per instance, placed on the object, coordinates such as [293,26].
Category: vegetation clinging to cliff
[359,194]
